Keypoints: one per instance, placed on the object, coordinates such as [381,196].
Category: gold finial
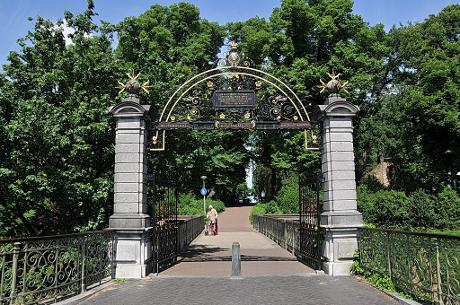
[233,45]
[234,56]
[333,86]
[132,86]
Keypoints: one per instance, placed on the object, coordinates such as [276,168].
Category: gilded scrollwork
[274,105]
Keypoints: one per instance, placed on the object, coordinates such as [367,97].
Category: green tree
[300,43]
[56,173]
[416,121]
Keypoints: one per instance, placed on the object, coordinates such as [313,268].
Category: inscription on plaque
[235,125]
[295,125]
[222,99]
[174,125]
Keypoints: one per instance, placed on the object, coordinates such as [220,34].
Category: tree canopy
[57,140]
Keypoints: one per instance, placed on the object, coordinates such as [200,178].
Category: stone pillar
[340,217]
[130,220]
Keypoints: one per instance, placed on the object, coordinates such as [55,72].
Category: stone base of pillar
[341,240]
[132,248]
[337,268]
[129,221]
[130,271]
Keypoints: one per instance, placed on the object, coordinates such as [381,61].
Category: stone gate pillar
[130,220]
[340,218]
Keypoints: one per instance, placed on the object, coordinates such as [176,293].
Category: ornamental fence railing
[426,266]
[189,228]
[42,270]
[282,229]
[168,241]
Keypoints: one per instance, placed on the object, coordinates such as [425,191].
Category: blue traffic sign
[203,191]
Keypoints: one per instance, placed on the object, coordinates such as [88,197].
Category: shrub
[447,208]
[258,209]
[372,183]
[264,208]
[288,196]
[188,205]
[191,205]
[384,208]
[365,203]
[272,207]
[217,204]
[422,212]
[419,210]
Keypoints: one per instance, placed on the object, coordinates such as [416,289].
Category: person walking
[212,217]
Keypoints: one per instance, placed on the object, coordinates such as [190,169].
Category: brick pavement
[312,290]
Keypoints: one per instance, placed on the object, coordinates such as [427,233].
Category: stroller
[207,224]
[210,228]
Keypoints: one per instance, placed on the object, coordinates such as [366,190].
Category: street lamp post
[262,196]
[204,194]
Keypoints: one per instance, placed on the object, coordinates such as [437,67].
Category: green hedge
[388,208]
[287,198]
[189,204]
[270,207]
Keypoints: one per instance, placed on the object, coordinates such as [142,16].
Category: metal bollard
[236,260]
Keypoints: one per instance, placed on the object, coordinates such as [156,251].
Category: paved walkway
[292,290]
[270,275]
[210,256]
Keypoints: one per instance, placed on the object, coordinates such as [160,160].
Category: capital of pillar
[340,217]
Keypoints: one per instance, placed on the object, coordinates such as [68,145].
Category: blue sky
[14,13]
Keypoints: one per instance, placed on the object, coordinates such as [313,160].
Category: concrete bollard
[236,260]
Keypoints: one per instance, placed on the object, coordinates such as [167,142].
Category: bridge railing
[49,268]
[424,265]
[189,228]
[283,229]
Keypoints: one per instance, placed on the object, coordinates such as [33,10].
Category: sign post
[203,192]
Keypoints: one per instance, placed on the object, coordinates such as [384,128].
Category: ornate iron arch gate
[226,98]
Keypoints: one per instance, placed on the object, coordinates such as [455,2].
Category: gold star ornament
[333,86]
[132,86]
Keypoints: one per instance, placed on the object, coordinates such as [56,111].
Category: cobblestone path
[292,290]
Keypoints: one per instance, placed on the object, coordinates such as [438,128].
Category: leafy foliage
[264,208]
[419,210]
[56,139]
[189,204]
[287,198]
[416,119]
[58,151]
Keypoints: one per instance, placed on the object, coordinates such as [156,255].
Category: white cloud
[66,31]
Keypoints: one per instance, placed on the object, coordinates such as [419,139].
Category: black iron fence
[427,266]
[285,230]
[46,269]
[282,229]
[168,239]
[189,228]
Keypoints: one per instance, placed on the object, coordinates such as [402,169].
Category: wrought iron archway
[232,95]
